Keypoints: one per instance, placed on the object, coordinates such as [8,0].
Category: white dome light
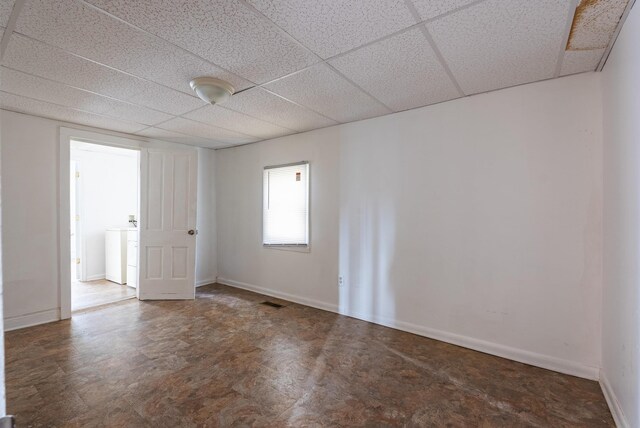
[212,90]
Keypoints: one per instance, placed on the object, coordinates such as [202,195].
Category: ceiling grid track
[96,8]
[573,4]
[612,42]
[104,65]
[189,94]
[87,91]
[288,35]
[320,61]
[11,26]
[256,85]
[74,109]
[434,47]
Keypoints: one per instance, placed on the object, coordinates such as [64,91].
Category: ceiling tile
[34,87]
[232,120]
[175,137]
[269,107]
[595,23]
[225,32]
[90,33]
[135,113]
[36,58]
[325,91]
[198,129]
[65,114]
[164,99]
[181,67]
[580,61]
[6,6]
[501,43]
[41,60]
[332,27]
[403,71]
[428,9]
[41,89]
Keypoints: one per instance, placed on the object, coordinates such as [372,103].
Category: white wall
[3,395]
[242,261]
[621,297]
[476,221]
[206,240]
[30,158]
[109,194]
[29,214]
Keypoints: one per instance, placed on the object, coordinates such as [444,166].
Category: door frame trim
[64,208]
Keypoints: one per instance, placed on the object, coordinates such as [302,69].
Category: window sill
[293,248]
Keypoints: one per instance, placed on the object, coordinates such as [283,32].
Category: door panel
[167,250]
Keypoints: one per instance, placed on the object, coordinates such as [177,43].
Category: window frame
[304,248]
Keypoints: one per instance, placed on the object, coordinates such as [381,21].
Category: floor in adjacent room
[227,359]
[93,293]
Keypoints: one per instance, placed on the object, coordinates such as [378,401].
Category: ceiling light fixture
[212,90]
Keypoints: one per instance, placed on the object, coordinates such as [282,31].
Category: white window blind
[286,205]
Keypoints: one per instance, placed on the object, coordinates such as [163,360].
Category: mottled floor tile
[225,359]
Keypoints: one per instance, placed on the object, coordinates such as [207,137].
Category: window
[285,217]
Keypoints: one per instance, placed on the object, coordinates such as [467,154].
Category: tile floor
[227,360]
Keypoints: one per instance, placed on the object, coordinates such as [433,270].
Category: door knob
[191,232]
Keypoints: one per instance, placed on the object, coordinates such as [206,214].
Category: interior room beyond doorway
[104,201]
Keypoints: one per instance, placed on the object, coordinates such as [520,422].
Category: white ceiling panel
[6,6]
[225,32]
[198,129]
[332,27]
[65,114]
[181,67]
[85,31]
[36,58]
[164,99]
[232,120]
[39,59]
[428,9]
[325,91]
[124,64]
[175,137]
[41,89]
[30,86]
[135,113]
[403,71]
[501,43]
[273,109]
[580,61]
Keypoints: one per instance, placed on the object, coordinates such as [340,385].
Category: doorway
[104,202]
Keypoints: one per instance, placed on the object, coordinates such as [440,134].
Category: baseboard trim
[29,320]
[527,357]
[612,401]
[95,277]
[203,282]
[280,295]
[519,355]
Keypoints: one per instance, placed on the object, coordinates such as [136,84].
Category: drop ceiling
[125,65]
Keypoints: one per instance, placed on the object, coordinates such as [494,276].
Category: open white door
[167,243]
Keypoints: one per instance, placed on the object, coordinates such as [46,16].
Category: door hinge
[78,260]
[77,174]
[7,421]
[77,217]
